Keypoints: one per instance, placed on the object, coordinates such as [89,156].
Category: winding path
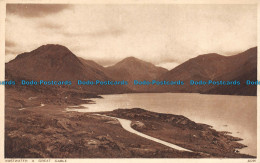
[126,124]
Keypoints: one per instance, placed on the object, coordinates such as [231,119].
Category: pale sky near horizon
[165,35]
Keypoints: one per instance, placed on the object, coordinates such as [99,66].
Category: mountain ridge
[212,66]
[57,62]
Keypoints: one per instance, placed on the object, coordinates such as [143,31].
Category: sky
[165,35]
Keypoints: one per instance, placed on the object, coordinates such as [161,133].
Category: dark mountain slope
[242,67]
[58,63]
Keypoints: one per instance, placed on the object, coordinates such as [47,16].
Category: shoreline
[51,132]
[146,118]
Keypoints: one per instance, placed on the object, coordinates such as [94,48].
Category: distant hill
[131,69]
[213,66]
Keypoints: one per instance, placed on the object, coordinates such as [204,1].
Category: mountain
[131,69]
[245,69]
[58,63]
[241,67]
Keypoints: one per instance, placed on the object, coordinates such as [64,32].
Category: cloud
[9,43]
[49,25]
[109,32]
[165,35]
[11,48]
[113,32]
[35,10]
[9,51]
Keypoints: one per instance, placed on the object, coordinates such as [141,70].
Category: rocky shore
[182,131]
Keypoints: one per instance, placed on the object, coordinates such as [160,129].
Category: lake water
[236,114]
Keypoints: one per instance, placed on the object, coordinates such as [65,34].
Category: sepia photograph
[130,80]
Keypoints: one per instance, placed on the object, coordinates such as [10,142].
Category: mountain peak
[54,50]
[132,68]
[131,58]
[133,61]
[210,55]
[53,47]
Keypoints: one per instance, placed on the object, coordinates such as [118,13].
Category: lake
[236,114]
